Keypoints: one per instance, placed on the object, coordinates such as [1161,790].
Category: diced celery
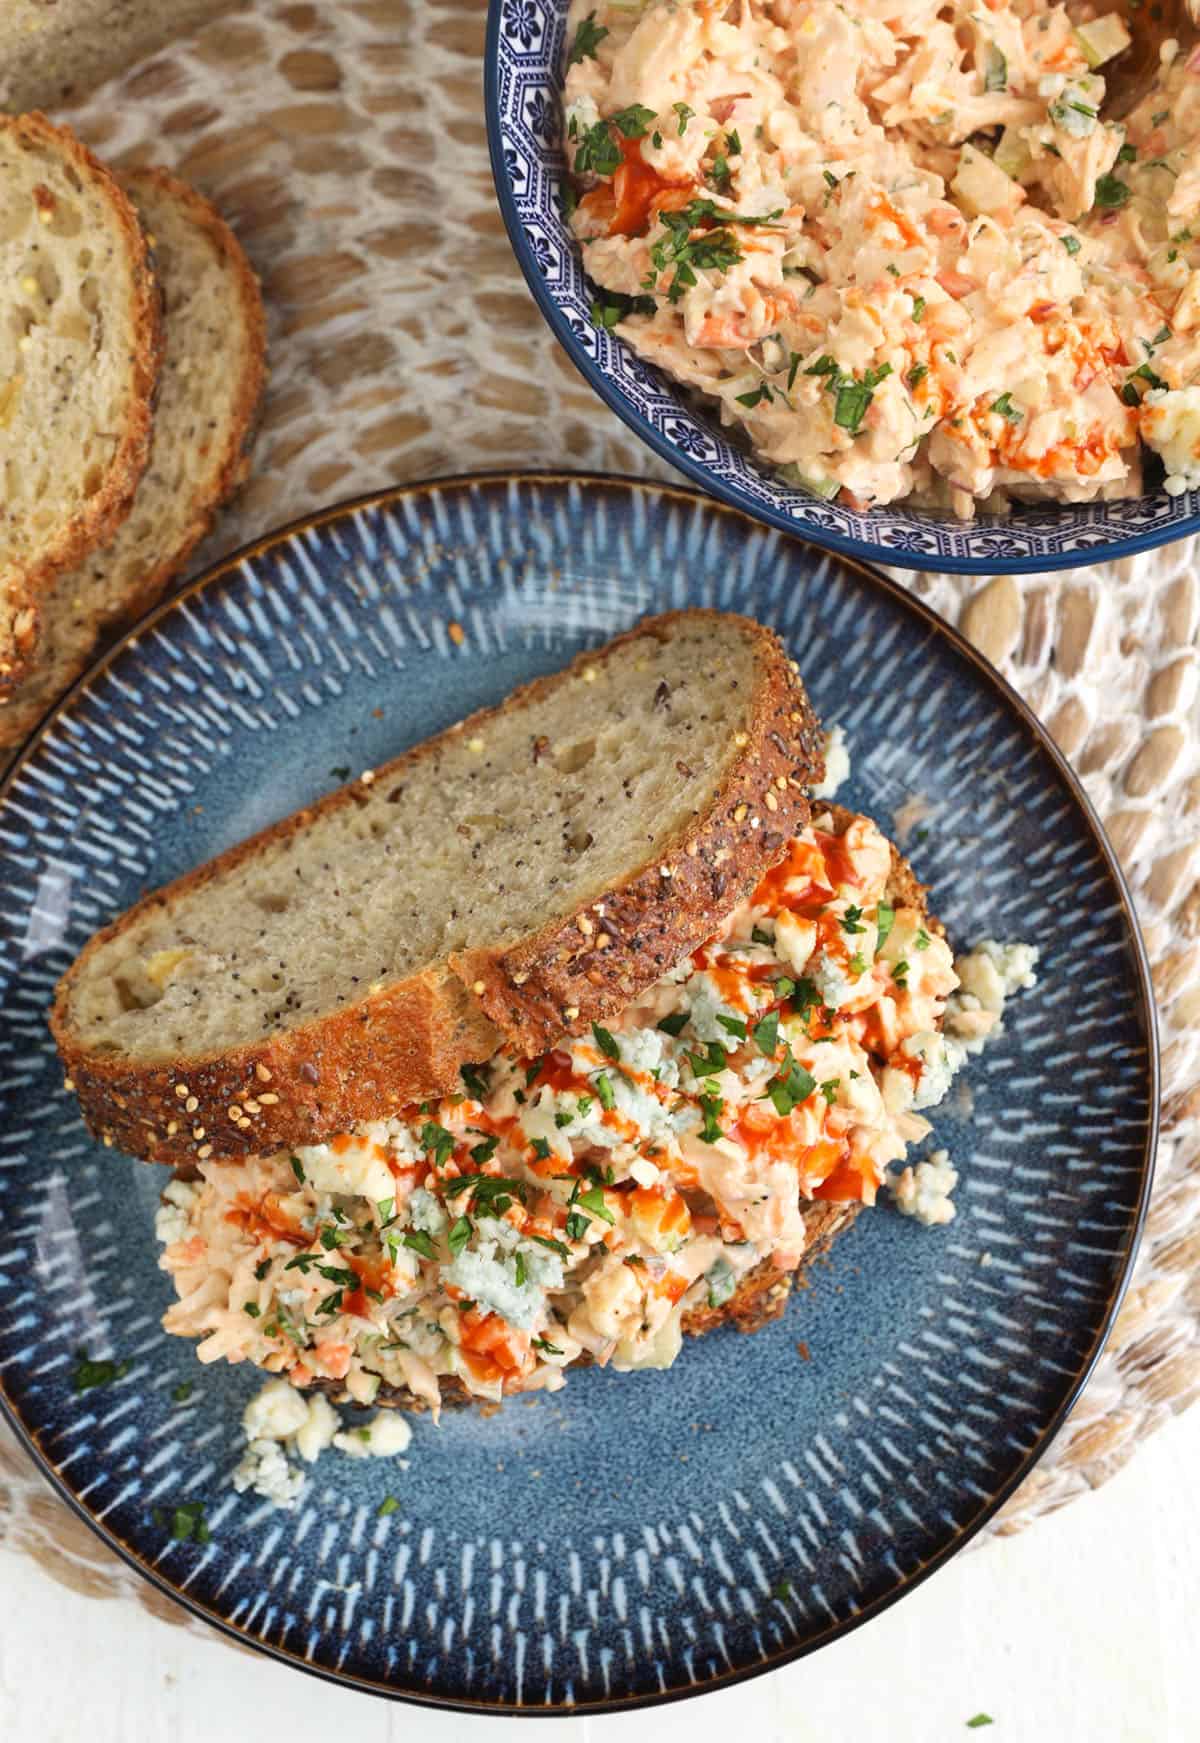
[980,185]
[1012,154]
[1102,39]
[825,488]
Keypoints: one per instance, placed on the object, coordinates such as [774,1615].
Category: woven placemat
[346,145]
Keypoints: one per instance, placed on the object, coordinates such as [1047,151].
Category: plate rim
[314,520]
[1043,562]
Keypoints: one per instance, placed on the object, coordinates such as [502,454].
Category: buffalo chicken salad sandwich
[903,247]
[372,1202]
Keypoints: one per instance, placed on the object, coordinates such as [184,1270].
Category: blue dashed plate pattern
[526,49]
[635,1537]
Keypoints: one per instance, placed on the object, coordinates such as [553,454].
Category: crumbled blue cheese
[171,1217]
[425,1212]
[382,1438]
[924,1192]
[988,975]
[281,1422]
[831,981]
[1171,426]
[487,1273]
[264,1469]
[837,764]
[359,1169]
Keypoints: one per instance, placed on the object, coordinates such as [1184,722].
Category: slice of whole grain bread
[209,389]
[521,875]
[80,349]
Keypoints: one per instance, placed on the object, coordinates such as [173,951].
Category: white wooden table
[1082,1630]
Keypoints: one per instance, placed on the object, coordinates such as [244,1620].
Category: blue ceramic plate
[526,47]
[634,1537]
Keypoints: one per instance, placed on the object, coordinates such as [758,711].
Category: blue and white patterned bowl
[635,1537]
[523,82]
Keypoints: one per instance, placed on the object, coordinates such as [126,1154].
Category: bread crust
[598,958]
[53,668]
[406,1040]
[99,518]
[234,464]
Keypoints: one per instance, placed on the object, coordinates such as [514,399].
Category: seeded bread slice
[209,389]
[80,349]
[530,870]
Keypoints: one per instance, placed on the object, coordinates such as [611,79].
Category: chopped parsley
[519,1272]
[685,115]
[587,39]
[418,1241]
[831,180]
[1007,410]
[712,1060]
[755,396]
[547,1346]
[716,249]
[858,964]
[711,1104]
[605,1042]
[852,920]
[721,175]
[1111,193]
[793,1086]
[793,365]
[633,122]
[460,1234]
[829,1089]
[675,1024]
[917,373]
[853,397]
[388,1505]
[484,1152]
[1127,154]
[922,939]
[978,1722]
[437,1142]
[491,1194]
[604,1090]
[541,1149]
[900,974]
[918,308]
[554,1246]
[1072,244]
[261,1269]
[766,1034]
[757,935]
[475,1078]
[885,919]
[89,1373]
[596,151]
[732,1026]
[297,1170]
[185,1522]
[995,70]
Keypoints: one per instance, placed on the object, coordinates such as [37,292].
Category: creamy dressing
[899,244]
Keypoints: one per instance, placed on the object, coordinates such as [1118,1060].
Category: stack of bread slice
[132,347]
